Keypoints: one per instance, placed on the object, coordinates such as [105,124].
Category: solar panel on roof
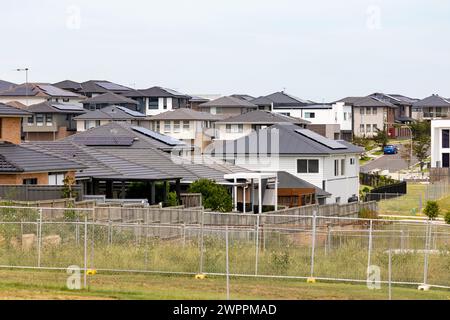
[68,107]
[112,86]
[321,139]
[55,91]
[131,112]
[105,140]
[173,92]
[157,136]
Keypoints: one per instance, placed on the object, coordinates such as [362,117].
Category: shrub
[172,200]
[447,217]
[365,213]
[431,210]
[215,197]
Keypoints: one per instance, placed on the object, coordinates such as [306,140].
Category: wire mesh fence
[273,246]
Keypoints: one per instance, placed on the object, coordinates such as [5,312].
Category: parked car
[390,149]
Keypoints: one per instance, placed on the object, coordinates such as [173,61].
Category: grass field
[20,284]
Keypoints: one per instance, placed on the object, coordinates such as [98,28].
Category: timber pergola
[245,179]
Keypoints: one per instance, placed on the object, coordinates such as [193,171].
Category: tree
[447,217]
[421,131]
[215,197]
[381,139]
[431,210]
[405,153]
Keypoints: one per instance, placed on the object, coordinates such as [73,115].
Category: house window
[164,103]
[374,110]
[234,128]
[153,103]
[345,116]
[158,126]
[39,119]
[368,110]
[310,115]
[56,179]
[186,125]
[361,110]
[375,128]
[307,166]
[368,128]
[176,126]
[30,120]
[65,99]
[361,128]
[30,181]
[445,138]
[89,124]
[445,160]
[336,168]
[342,167]
[352,161]
[49,119]
[167,126]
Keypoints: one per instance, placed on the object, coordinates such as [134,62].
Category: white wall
[436,141]
[34,100]
[154,112]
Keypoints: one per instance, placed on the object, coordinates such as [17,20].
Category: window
[338,199]
[445,160]
[361,128]
[39,119]
[336,167]
[352,161]
[167,126]
[186,125]
[153,103]
[345,116]
[49,119]
[361,110]
[30,120]
[310,115]
[368,128]
[368,110]
[228,128]
[89,124]
[30,181]
[307,166]
[56,179]
[164,103]
[176,126]
[234,128]
[445,138]
[343,167]
[374,110]
[65,99]
[375,128]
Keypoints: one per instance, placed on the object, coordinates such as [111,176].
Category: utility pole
[26,82]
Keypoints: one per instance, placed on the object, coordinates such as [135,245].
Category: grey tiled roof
[68,85]
[228,102]
[368,101]
[53,107]
[263,117]
[7,110]
[157,92]
[37,90]
[186,114]
[109,98]
[33,160]
[281,99]
[92,86]
[289,142]
[5,85]
[111,113]
[432,101]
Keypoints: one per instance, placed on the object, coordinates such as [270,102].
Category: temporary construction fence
[291,246]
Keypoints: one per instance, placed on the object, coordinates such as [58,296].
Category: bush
[431,210]
[447,217]
[172,200]
[215,197]
[365,213]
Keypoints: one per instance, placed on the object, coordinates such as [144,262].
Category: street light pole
[26,82]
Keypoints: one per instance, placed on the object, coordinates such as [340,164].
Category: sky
[319,50]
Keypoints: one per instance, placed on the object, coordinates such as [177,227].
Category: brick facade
[18,178]
[10,129]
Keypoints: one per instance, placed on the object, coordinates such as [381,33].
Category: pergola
[244,179]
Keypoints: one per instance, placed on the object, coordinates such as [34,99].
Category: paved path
[391,162]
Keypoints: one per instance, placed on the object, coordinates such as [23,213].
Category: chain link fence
[245,245]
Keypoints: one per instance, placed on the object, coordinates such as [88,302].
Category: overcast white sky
[318,50]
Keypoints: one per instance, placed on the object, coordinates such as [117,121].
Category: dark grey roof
[198,99]
[396,99]
[68,85]
[432,101]
[369,101]
[37,90]
[263,117]
[53,107]
[101,86]
[281,99]
[406,99]
[7,110]
[109,98]
[5,85]
[186,114]
[245,97]
[228,102]
[21,159]
[287,180]
[288,141]
[159,92]
[111,113]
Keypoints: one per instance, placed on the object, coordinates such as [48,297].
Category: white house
[328,164]
[440,143]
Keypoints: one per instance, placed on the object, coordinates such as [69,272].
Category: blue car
[390,149]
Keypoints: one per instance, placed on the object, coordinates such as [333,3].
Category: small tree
[447,217]
[215,197]
[381,139]
[172,199]
[431,210]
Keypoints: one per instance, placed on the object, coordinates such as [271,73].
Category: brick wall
[10,129]
[18,178]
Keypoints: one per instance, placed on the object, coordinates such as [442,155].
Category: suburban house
[432,107]
[51,121]
[328,164]
[243,96]
[69,85]
[109,99]
[99,117]
[33,93]
[11,123]
[371,114]
[196,101]
[6,85]
[20,165]
[440,143]
[283,103]
[92,88]
[156,100]
[192,127]
[403,112]
[243,124]
[227,106]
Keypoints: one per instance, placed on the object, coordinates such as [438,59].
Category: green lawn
[19,284]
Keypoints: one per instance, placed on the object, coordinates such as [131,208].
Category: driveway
[391,162]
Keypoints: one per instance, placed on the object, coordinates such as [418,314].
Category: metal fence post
[313,240]
[227,267]
[39,237]
[85,251]
[257,245]
[370,244]
[427,245]
[184,234]
[201,242]
[390,274]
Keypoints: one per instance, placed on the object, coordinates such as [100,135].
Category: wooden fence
[34,192]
